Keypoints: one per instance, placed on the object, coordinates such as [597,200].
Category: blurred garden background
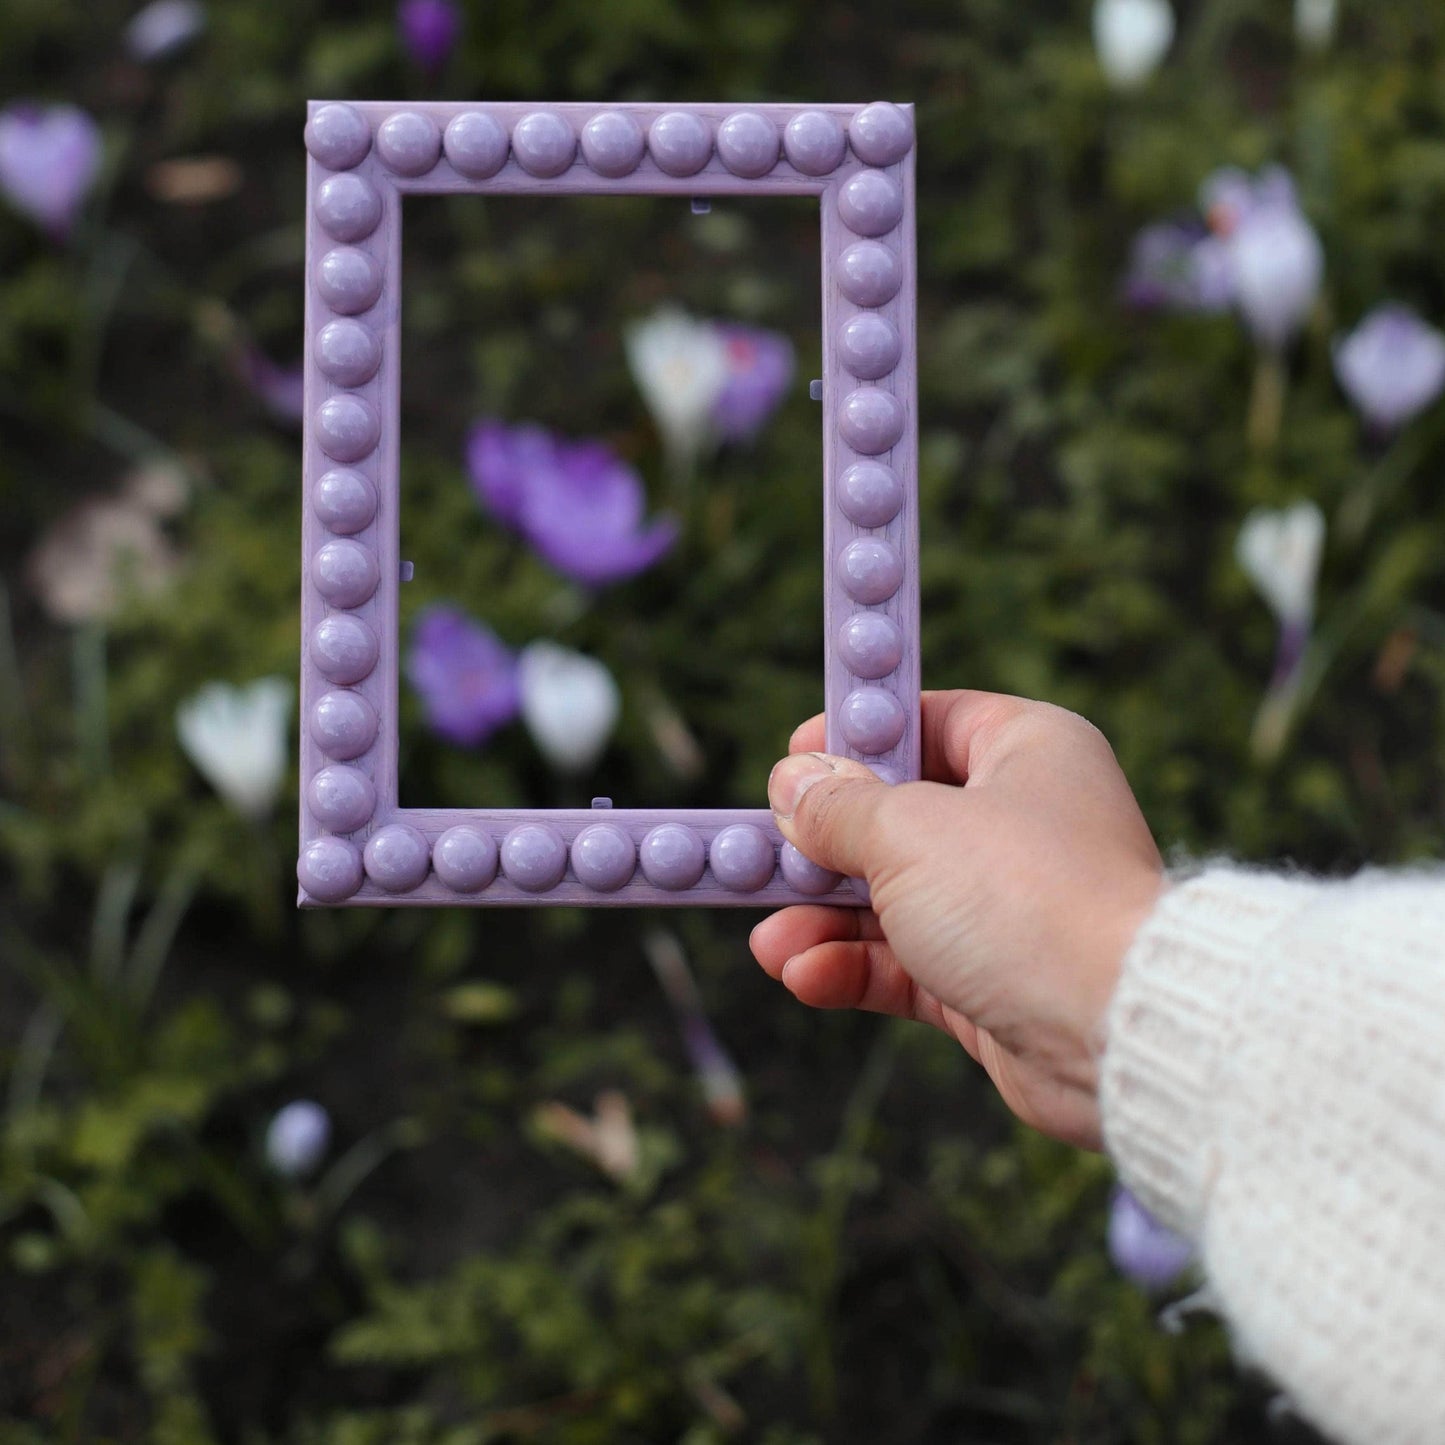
[460,1176]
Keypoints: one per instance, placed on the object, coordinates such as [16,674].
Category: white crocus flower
[236,737]
[1280,551]
[680,365]
[1131,38]
[163,28]
[570,704]
[1314,22]
[297,1138]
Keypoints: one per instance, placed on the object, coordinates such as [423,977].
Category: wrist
[1165,1065]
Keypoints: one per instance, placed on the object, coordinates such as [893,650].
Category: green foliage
[879,1254]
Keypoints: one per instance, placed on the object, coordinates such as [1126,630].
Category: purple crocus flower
[760,367]
[1392,366]
[429,31]
[464,674]
[577,503]
[1143,1249]
[1178,266]
[48,161]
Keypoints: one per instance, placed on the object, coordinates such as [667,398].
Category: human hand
[1006,889]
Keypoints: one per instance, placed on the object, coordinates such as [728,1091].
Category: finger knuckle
[1065,726]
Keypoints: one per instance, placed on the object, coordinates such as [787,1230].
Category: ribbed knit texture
[1273,1085]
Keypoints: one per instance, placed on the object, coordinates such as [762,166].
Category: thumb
[827,808]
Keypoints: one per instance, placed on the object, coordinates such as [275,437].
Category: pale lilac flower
[464,674]
[1274,254]
[680,365]
[279,388]
[760,367]
[164,27]
[1314,22]
[429,31]
[1143,1249]
[578,503]
[1392,366]
[1179,266]
[297,1139]
[570,703]
[1131,38]
[1278,267]
[236,737]
[48,162]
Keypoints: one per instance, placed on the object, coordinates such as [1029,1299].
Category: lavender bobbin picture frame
[358,845]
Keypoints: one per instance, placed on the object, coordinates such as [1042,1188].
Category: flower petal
[680,366]
[1280,552]
[48,161]
[578,504]
[597,561]
[236,737]
[464,674]
[570,703]
[429,31]
[760,369]
[1131,38]
[1142,1248]
[1392,366]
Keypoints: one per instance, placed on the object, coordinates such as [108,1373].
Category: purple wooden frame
[358,846]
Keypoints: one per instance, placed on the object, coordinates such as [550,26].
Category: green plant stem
[65,1208]
[14,715]
[1380,483]
[1266,402]
[134,443]
[32,1060]
[346,1175]
[158,932]
[96,1026]
[92,728]
[104,282]
[1282,706]
[838,1190]
[1274,720]
[682,478]
[113,905]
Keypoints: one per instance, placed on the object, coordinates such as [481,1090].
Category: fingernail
[792,777]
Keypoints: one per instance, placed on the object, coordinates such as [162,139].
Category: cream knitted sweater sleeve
[1273,1086]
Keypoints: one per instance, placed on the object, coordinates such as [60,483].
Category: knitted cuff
[1173,1014]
